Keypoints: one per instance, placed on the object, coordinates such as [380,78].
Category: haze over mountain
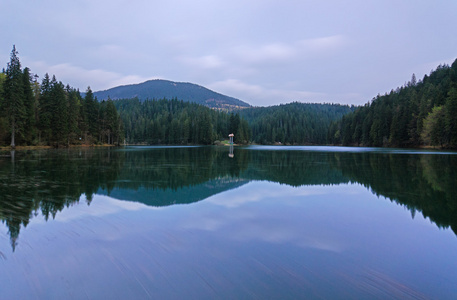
[159,89]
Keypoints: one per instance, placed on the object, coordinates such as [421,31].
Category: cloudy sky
[263,52]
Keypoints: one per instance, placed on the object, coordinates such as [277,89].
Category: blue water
[242,234]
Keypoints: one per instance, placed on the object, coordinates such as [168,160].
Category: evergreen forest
[176,122]
[293,123]
[51,113]
[420,113]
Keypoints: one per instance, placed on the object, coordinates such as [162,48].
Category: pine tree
[13,103]
[74,103]
[112,120]
[29,105]
[45,110]
[59,123]
[92,111]
[3,121]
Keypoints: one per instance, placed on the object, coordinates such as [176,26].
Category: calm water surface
[251,223]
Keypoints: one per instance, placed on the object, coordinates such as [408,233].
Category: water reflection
[45,182]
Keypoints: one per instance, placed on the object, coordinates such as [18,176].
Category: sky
[264,52]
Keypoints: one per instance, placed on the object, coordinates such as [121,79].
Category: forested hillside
[164,89]
[294,123]
[421,113]
[177,122]
[51,113]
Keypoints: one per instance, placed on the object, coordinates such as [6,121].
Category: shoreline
[27,148]
[22,148]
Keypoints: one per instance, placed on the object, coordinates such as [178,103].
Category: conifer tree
[205,128]
[451,117]
[13,103]
[29,105]
[92,111]
[59,123]
[3,123]
[74,104]
[112,120]
[45,113]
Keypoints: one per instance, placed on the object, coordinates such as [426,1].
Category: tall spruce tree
[45,110]
[3,123]
[59,123]
[13,103]
[29,106]
[92,110]
[112,121]
[74,103]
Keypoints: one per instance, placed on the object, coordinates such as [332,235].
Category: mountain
[167,197]
[159,89]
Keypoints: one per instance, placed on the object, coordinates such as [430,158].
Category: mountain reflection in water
[46,182]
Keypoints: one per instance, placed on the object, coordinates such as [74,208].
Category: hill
[421,113]
[293,123]
[159,89]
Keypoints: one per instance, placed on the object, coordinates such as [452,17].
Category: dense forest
[51,113]
[177,122]
[293,123]
[421,113]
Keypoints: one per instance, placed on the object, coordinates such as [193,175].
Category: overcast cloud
[263,52]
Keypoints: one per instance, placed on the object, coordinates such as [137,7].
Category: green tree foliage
[51,113]
[3,119]
[432,132]
[29,106]
[419,113]
[451,116]
[74,104]
[111,126]
[45,110]
[234,122]
[171,122]
[59,113]
[177,122]
[13,104]
[294,123]
[92,108]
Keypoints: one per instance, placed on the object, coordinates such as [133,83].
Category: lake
[258,222]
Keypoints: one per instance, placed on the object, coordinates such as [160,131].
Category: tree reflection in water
[45,182]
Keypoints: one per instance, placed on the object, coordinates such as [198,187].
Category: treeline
[421,113]
[294,123]
[175,122]
[51,113]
